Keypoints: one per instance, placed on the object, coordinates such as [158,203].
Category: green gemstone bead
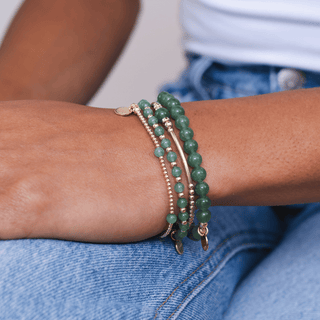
[162,113]
[143,103]
[194,159]
[203,216]
[195,233]
[176,112]
[171,218]
[201,189]
[190,146]
[172,156]
[203,203]
[183,216]
[184,227]
[172,103]
[198,174]
[179,187]
[158,131]
[182,202]
[186,134]
[163,97]
[182,122]
[165,143]
[152,120]
[159,152]
[147,112]
[176,172]
[180,234]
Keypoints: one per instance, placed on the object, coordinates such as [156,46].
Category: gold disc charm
[205,243]
[179,246]
[123,111]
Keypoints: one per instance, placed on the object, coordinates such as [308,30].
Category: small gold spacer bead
[184,222]
[173,164]
[180,195]
[167,180]
[147,108]
[166,119]
[162,136]
[169,149]
[149,116]
[170,196]
[191,203]
[191,186]
[191,197]
[155,125]
[178,179]
[170,191]
[191,191]
[183,210]
[172,211]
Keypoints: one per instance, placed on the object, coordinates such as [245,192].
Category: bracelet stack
[179,225]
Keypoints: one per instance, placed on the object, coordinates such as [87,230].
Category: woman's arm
[63,50]
[81,173]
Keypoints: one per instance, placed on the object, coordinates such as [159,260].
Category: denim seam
[239,234]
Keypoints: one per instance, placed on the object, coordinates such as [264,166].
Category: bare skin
[80,173]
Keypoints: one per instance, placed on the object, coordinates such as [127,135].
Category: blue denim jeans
[262,262]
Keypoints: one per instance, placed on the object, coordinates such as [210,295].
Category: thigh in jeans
[54,279]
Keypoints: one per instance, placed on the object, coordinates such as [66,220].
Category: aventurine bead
[182,122]
[203,216]
[171,218]
[190,146]
[198,174]
[182,202]
[159,152]
[183,216]
[179,187]
[176,172]
[153,120]
[162,113]
[194,159]
[186,134]
[195,233]
[184,227]
[163,97]
[158,131]
[165,143]
[180,234]
[202,189]
[143,103]
[147,112]
[203,203]
[172,156]
[173,103]
[176,112]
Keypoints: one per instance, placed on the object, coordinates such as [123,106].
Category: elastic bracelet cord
[198,173]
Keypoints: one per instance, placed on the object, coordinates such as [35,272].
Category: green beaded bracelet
[198,173]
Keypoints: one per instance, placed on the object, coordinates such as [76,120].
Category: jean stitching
[216,249]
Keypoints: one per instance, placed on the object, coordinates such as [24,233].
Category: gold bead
[162,136]
[191,186]
[167,180]
[178,179]
[192,203]
[191,197]
[155,125]
[169,149]
[173,164]
[180,195]
[149,116]
[191,191]
[183,210]
[184,222]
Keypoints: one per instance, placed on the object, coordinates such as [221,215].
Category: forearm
[63,50]
[260,150]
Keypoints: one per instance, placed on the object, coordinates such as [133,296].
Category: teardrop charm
[204,243]
[179,246]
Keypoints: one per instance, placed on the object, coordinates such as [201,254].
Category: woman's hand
[77,173]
